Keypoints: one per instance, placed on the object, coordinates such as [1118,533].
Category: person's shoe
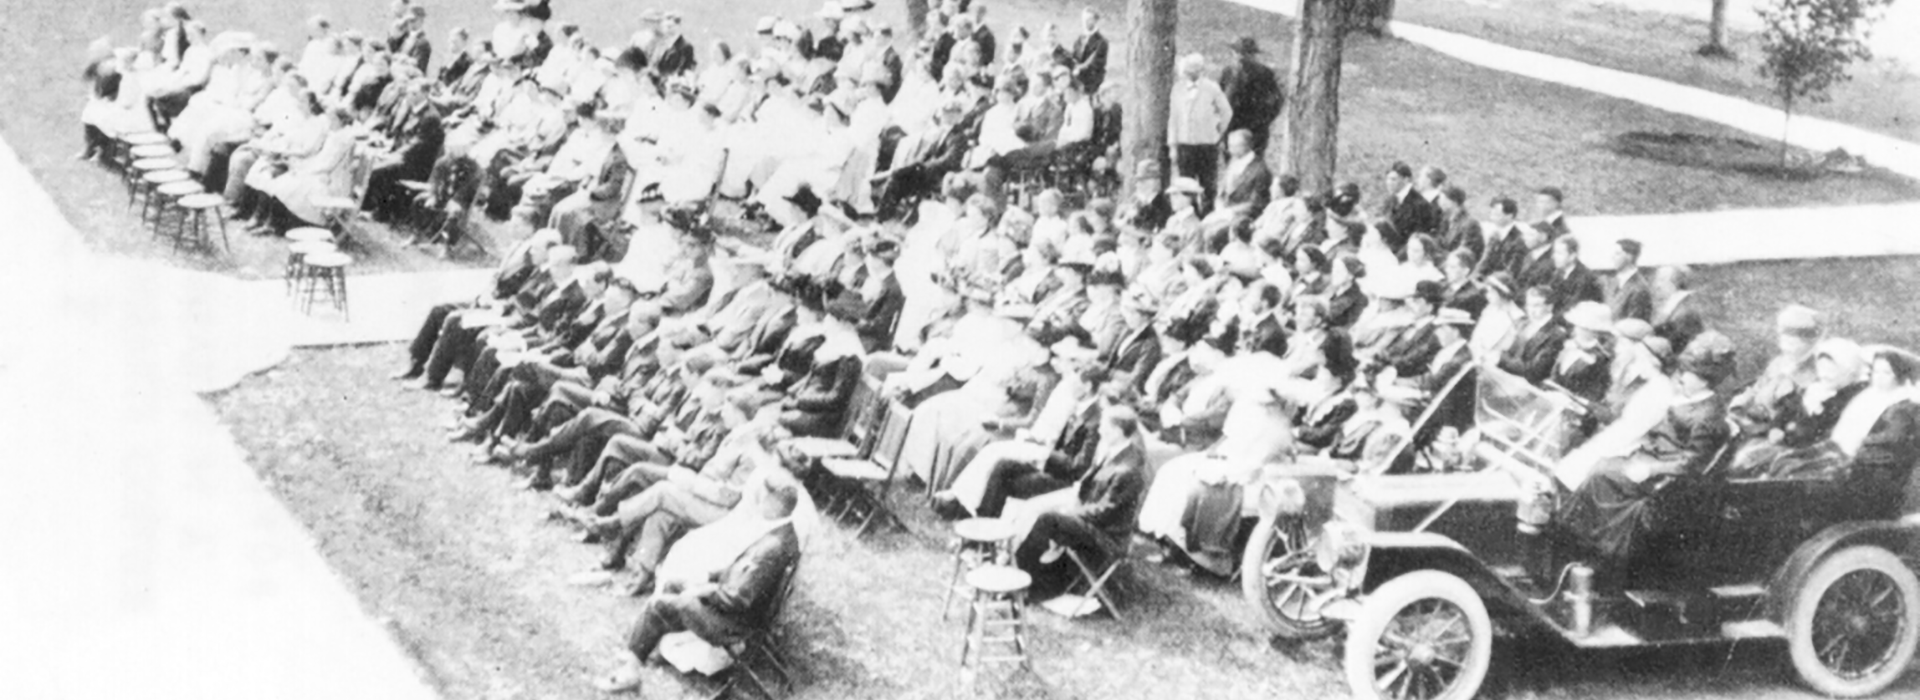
[452,392]
[85,155]
[464,434]
[423,384]
[536,483]
[641,585]
[626,679]
[568,494]
[948,507]
[408,374]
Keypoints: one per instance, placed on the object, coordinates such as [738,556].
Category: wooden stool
[123,146]
[979,542]
[325,272]
[164,211]
[996,621]
[153,150]
[194,210]
[297,252]
[150,198]
[136,176]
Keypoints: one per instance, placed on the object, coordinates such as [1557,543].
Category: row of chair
[176,208]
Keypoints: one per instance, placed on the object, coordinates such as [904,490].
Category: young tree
[1310,126]
[1151,25]
[1808,45]
[1716,46]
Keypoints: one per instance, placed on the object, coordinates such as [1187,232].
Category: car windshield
[1520,420]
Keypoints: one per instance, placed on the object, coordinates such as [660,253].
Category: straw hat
[1591,315]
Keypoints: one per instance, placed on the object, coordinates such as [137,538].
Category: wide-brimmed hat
[1451,316]
[808,202]
[765,25]
[856,5]
[1078,256]
[1709,355]
[1501,282]
[1245,46]
[883,248]
[831,10]
[1633,329]
[1148,168]
[1071,348]
[1185,185]
[1798,320]
[1433,292]
[1591,315]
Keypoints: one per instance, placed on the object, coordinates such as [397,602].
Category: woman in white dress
[224,111]
[1195,502]
[327,173]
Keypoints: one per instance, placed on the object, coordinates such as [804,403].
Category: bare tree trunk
[1310,127]
[1150,52]
[917,17]
[1716,46]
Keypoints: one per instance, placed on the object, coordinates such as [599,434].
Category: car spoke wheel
[1854,622]
[1423,636]
[1278,575]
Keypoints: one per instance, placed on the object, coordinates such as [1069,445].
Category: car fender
[1391,554]
[1901,538]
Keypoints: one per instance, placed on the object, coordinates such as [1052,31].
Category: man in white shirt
[1196,122]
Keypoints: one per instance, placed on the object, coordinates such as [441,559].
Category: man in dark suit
[1412,350]
[882,294]
[1253,91]
[1549,201]
[409,38]
[1532,354]
[1458,229]
[1138,351]
[738,600]
[1629,293]
[983,36]
[1246,182]
[937,151]
[1504,247]
[1406,208]
[677,58]
[1098,526]
[1071,458]
[1450,329]
[1572,281]
[1090,53]
[417,137]
[1535,266]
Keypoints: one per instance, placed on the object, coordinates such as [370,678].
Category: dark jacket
[1574,285]
[1532,358]
[1344,308]
[750,590]
[1110,496]
[1318,425]
[1462,232]
[1410,215]
[1137,353]
[877,326]
[1254,93]
[676,60]
[1632,298]
[1090,61]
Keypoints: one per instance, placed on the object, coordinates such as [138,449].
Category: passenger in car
[1870,427]
[1805,419]
[1612,511]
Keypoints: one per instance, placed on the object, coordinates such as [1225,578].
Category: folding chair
[874,461]
[749,661]
[1093,596]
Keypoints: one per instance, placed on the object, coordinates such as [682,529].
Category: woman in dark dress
[1613,510]
[817,404]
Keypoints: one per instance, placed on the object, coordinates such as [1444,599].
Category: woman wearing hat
[817,405]
[1194,505]
[1797,441]
[1185,196]
[1612,508]
[1060,313]
[1500,318]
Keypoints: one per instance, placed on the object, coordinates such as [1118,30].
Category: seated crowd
[1095,367]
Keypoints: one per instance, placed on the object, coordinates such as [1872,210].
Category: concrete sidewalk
[144,559]
[1808,132]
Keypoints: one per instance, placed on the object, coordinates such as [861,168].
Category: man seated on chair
[1099,523]
[738,600]
[449,195]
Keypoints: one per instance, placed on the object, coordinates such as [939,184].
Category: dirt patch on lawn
[1732,154]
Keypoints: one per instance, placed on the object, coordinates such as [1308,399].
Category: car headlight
[1340,551]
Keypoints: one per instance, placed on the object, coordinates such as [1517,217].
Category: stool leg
[224,242]
[946,604]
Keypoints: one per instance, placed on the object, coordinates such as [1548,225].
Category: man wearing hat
[1252,91]
[1411,351]
[882,293]
[1585,365]
[1797,331]
[1148,209]
[1197,120]
[827,44]
[1450,329]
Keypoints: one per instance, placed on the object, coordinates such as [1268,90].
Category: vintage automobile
[1424,566]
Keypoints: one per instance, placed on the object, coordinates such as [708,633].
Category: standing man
[410,37]
[1090,53]
[1629,294]
[1196,123]
[1253,92]
[676,58]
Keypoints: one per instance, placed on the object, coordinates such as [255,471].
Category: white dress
[327,173]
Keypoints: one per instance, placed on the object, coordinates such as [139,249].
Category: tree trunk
[1310,127]
[917,17]
[1150,52]
[1716,45]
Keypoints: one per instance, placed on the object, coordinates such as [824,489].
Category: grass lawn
[1881,97]
[1493,132]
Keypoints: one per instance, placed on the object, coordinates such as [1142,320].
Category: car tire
[1443,643]
[1295,540]
[1834,609]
